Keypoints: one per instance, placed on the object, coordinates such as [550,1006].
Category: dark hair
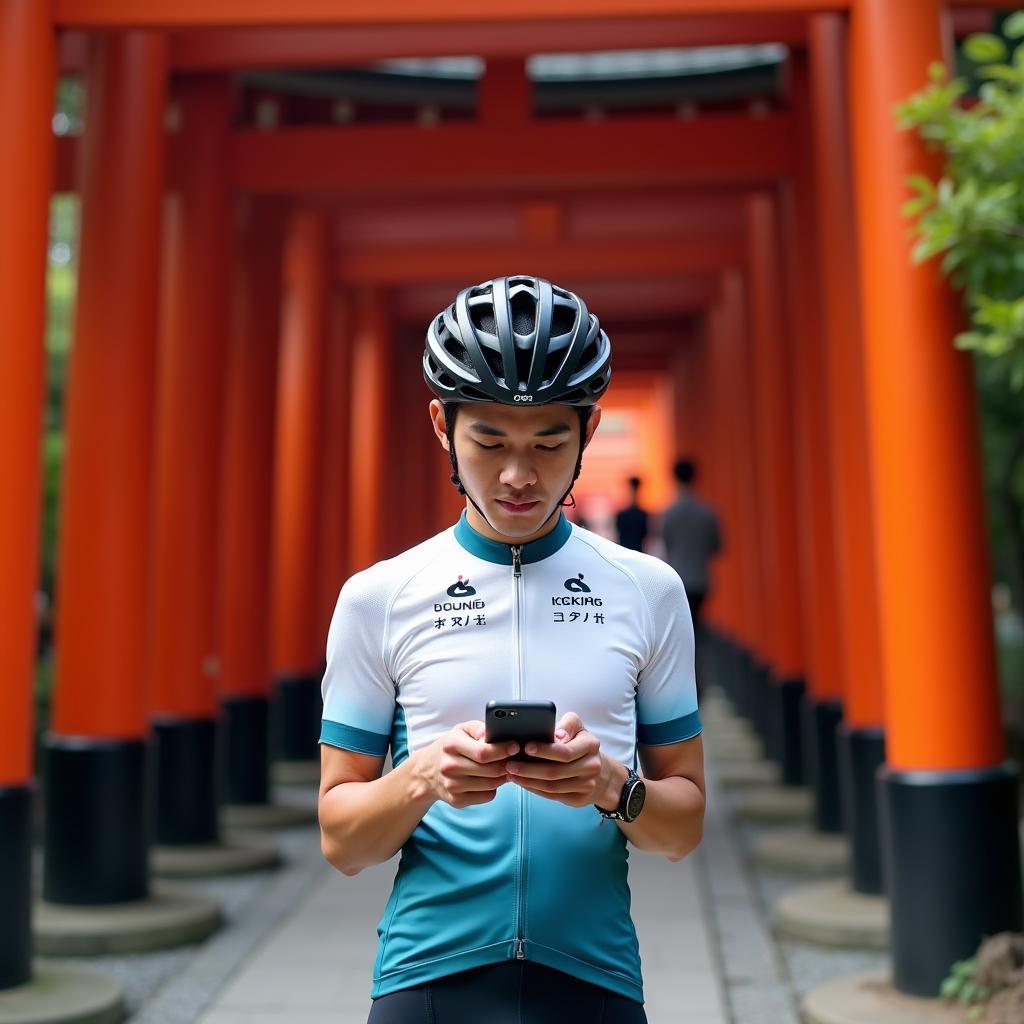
[685,471]
[634,483]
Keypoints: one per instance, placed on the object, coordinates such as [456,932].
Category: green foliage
[973,216]
[961,986]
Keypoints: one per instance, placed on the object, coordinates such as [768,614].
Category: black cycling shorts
[513,992]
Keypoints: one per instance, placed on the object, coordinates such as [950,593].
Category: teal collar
[501,554]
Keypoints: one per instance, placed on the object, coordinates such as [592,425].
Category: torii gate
[901,421]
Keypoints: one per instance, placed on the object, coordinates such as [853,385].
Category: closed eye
[488,447]
[550,447]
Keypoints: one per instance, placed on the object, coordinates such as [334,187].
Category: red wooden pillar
[948,802]
[822,708]
[771,365]
[372,396]
[744,533]
[97,799]
[184,646]
[246,496]
[861,736]
[334,553]
[27,72]
[297,642]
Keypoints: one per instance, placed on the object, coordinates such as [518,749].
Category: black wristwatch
[631,800]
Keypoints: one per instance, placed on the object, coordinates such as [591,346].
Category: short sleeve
[358,693]
[667,687]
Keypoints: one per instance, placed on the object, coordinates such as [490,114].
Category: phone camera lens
[500,714]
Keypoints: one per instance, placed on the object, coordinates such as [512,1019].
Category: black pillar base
[789,694]
[297,713]
[97,821]
[187,781]
[951,855]
[15,886]
[821,757]
[861,755]
[246,750]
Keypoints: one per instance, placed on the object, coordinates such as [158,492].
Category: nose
[517,473]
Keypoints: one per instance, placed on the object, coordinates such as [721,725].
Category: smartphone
[520,721]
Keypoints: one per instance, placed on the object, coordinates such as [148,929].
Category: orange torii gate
[943,754]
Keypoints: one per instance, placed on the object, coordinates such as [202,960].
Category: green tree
[973,216]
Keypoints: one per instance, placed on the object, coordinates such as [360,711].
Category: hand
[578,775]
[461,769]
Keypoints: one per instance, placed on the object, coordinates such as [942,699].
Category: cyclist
[511,900]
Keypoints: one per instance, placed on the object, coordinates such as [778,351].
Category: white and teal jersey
[422,642]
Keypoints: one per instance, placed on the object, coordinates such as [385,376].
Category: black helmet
[517,340]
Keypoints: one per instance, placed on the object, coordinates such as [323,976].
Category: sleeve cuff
[662,733]
[361,741]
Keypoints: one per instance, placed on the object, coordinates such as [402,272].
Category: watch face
[635,802]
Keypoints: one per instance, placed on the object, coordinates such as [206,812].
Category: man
[631,522]
[510,905]
[692,538]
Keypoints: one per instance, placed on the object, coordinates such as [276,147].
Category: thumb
[475,729]
[569,725]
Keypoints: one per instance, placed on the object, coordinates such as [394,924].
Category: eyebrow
[489,431]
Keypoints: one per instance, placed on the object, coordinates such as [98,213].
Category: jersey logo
[461,588]
[576,586]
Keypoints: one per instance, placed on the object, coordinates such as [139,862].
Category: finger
[539,770]
[462,742]
[554,787]
[475,784]
[581,745]
[457,766]
[476,729]
[568,726]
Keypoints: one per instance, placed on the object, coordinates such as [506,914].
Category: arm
[672,821]
[366,817]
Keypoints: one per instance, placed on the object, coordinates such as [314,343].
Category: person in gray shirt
[690,531]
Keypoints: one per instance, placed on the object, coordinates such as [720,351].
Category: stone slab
[831,914]
[295,773]
[230,857]
[748,773]
[171,916]
[871,999]
[266,816]
[802,850]
[62,995]
[774,805]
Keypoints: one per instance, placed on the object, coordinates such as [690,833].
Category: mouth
[517,508]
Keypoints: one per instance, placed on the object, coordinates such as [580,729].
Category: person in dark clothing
[692,537]
[631,523]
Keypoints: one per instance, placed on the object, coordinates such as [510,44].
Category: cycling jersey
[422,642]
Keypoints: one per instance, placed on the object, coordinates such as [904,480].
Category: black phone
[520,721]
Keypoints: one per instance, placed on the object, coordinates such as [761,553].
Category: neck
[484,528]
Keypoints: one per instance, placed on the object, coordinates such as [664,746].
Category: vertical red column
[771,364]
[821,707]
[246,496]
[297,643]
[183,654]
[948,802]
[861,737]
[370,427]
[334,553]
[27,73]
[97,813]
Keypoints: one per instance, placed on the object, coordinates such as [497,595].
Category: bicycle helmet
[517,340]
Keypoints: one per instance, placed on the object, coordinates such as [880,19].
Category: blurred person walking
[692,537]
[632,523]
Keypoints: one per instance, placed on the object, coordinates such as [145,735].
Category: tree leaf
[985,48]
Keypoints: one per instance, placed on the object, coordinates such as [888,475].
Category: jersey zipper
[517,643]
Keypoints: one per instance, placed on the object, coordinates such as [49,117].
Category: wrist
[613,778]
[419,787]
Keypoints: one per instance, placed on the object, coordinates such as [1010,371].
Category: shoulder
[643,569]
[375,587]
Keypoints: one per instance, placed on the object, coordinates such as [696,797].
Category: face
[516,463]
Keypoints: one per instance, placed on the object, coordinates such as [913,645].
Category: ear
[595,418]
[437,422]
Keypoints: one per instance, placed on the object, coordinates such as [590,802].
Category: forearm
[366,823]
[672,820]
